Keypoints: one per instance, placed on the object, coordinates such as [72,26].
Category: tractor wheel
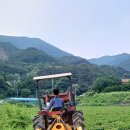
[39,123]
[78,121]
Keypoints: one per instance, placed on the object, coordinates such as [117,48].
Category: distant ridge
[121,60]
[73,60]
[25,42]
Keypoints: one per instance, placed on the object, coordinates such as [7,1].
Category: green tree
[25,92]
[14,82]
[3,87]
[103,82]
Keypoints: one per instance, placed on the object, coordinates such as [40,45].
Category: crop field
[106,117]
[96,117]
[16,117]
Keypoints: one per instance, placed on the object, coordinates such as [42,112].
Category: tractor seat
[54,113]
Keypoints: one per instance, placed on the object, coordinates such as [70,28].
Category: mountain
[21,65]
[25,42]
[11,54]
[121,60]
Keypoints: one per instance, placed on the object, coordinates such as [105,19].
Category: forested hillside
[19,66]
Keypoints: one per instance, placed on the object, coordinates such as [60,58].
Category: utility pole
[75,89]
[52,84]
[17,93]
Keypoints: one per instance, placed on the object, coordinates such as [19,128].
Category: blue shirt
[56,102]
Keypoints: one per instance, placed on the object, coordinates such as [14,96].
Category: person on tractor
[56,103]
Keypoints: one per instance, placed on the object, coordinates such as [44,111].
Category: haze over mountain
[121,60]
[10,53]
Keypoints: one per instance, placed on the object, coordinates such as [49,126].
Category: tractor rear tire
[39,123]
[78,121]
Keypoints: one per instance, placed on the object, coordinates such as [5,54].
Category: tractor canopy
[52,76]
[67,96]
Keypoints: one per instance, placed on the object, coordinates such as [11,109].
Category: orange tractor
[67,118]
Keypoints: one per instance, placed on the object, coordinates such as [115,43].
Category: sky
[85,28]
